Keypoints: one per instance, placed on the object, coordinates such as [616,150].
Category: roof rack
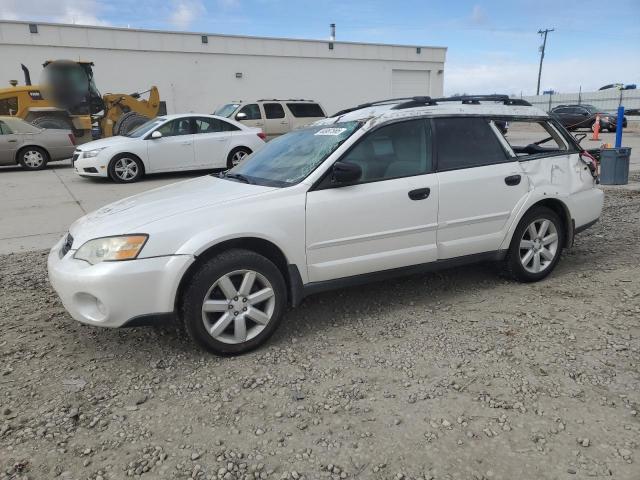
[371,104]
[284,100]
[476,99]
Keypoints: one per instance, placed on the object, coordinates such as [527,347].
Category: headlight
[109,249]
[92,153]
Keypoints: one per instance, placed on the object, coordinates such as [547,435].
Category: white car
[169,143]
[377,191]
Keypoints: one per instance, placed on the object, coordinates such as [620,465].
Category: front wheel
[536,245]
[125,168]
[234,302]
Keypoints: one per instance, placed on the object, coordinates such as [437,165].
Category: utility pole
[544,45]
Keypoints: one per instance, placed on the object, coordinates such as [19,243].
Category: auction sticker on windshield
[330,131]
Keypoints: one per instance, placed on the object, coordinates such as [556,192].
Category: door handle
[12,141]
[512,180]
[259,124]
[284,123]
[419,194]
[185,143]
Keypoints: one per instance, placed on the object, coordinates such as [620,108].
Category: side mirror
[241,116]
[345,172]
[156,134]
[580,137]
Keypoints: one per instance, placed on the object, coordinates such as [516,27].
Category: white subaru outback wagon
[382,189]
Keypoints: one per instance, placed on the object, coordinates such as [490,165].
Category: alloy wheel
[539,245]
[238,157]
[33,158]
[126,169]
[238,306]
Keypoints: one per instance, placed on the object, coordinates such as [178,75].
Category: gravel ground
[454,375]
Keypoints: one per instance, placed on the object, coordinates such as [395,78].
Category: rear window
[467,142]
[305,110]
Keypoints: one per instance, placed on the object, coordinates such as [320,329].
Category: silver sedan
[32,147]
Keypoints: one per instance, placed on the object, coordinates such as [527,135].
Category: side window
[398,150]
[213,125]
[4,130]
[530,137]
[9,106]
[562,111]
[174,128]
[273,110]
[467,142]
[252,110]
[305,110]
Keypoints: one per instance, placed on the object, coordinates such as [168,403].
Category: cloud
[515,77]
[185,12]
[478,16]
[81,12]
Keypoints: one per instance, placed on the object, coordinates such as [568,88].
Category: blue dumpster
[614,166]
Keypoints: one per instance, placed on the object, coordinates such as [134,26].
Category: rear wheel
[536,245]
[125,168]
[234,302]
[33,158]
[237,155]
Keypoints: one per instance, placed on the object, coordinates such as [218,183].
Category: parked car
[613,86]
[33,147]
[573,117]
[380,190]
[168,144]
[275,117]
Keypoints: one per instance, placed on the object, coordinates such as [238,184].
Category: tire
[237,155]
[33,158]
[232,331]
[520,262]
[128,122]
[52,122]
[125,168]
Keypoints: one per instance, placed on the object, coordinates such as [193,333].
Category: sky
[493,46]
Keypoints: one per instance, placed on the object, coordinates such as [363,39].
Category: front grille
[66,246]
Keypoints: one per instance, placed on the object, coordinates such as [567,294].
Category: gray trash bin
[614,166]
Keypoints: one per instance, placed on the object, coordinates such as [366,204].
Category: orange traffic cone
[596,129]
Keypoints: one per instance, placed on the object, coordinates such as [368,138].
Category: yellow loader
[69,99]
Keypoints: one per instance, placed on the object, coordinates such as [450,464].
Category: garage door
[409,83]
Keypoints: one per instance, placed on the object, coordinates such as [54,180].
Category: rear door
[210,142]
[9,143]
[276,120]
[481,186]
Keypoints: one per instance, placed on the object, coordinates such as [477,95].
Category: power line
[544,45]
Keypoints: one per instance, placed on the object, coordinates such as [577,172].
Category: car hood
[106,142]
[131,214]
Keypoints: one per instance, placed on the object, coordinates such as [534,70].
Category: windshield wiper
[237,176]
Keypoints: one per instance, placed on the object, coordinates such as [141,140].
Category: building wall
[197,77]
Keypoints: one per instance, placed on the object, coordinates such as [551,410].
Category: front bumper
[91,167]
[110,294]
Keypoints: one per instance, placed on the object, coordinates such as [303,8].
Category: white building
[197,72]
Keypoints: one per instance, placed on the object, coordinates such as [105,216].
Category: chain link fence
[607,100]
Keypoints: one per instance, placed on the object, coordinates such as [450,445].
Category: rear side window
[252,110]
[305,110]
[4,130]
[530,137]
[273,110]
[213,125]
[467,142]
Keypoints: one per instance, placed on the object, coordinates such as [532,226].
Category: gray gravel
[453,375]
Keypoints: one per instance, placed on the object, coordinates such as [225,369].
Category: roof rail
[284,100]
[372,104]
[476,99]
[415,102]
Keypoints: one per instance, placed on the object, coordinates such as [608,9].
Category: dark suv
[584,116]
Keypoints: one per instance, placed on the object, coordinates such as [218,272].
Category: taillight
[261,135]
[72,138]
[591,162]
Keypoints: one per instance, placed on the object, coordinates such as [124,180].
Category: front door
[251,116]
[174,150]
[386,220]
[480,186]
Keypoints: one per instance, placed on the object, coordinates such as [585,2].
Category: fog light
[90,307]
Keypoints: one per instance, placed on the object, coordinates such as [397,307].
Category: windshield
[145,128]
[20,126]
[226,110]
[288,159]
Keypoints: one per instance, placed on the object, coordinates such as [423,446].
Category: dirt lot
[453,375]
